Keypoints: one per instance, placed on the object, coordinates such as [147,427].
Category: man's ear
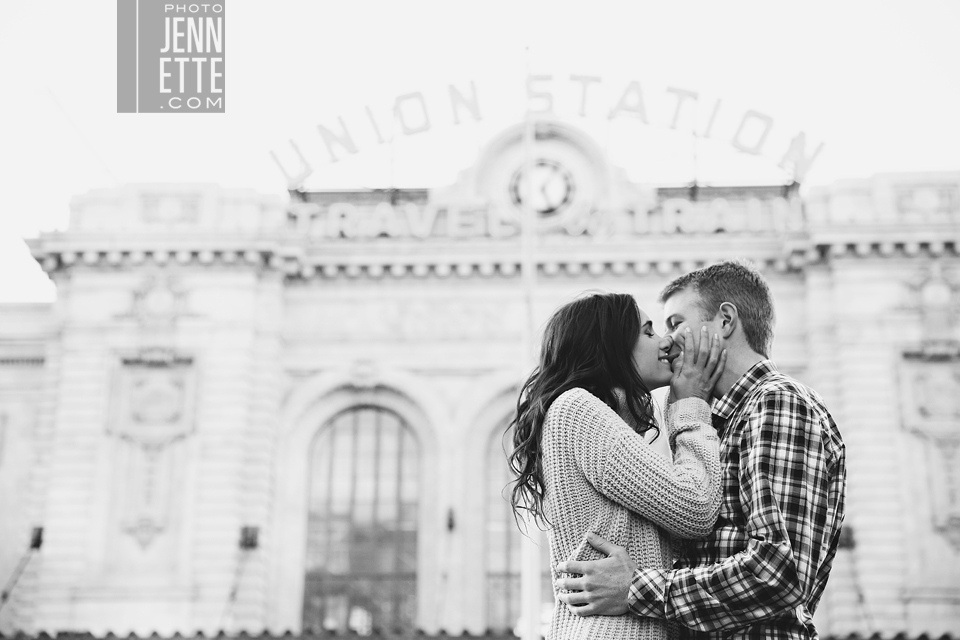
[729,319]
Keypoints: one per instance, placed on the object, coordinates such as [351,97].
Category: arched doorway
[361,561]
[503,542]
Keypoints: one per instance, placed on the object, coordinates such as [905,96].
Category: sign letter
[796,157]
[295,181]
[343,219]
[398,113]
[373,123]
[419,220]
[457,99]
[584,81]
[682,95]
[631,102]
[344,139]
[546,96]
[713,118]
[762,120]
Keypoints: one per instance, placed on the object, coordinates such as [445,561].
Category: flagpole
[530,544]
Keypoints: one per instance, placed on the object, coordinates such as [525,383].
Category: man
[761,573]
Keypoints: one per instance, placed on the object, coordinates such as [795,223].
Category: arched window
[362,528]
[503,540]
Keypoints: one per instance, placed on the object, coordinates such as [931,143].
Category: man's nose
[666,343]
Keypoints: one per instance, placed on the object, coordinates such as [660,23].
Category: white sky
[878,82]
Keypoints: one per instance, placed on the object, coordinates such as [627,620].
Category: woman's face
[651,355]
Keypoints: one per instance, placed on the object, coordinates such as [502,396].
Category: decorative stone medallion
[930,397]
[152,411]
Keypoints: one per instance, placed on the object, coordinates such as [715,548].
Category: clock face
[547,187]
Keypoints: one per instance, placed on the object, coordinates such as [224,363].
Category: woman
[580,454]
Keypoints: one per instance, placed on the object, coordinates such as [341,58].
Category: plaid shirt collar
[732,399]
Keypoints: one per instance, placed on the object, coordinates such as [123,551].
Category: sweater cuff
[684,414]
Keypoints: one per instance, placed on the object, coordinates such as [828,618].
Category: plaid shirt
[761,573]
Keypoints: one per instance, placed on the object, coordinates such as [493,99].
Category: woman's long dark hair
[587,343]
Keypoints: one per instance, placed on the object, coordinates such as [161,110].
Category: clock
[546,186]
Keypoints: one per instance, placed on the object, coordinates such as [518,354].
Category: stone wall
[169,399]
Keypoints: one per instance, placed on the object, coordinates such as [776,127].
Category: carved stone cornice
[826,250]
[294,264]
[56,259]
[506,268]
[298,259]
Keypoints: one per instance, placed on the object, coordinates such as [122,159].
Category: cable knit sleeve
[683,498]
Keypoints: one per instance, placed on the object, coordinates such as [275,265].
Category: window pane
[362,531]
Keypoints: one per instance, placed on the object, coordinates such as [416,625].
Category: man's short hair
[737,282]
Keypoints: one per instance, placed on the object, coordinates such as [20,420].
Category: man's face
[682,310]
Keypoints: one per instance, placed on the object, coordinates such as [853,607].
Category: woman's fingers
[704,348]
[689,348]
[677,367]
[718,370]
[711,362]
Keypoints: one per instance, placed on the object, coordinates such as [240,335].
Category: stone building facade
[249,414]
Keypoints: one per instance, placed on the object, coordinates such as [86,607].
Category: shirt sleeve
[784,493]
[683,497]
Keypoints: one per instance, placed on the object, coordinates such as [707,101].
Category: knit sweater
[602,476]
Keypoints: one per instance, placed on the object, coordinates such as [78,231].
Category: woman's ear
[729,318]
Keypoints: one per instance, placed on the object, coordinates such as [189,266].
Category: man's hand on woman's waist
[603,585]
